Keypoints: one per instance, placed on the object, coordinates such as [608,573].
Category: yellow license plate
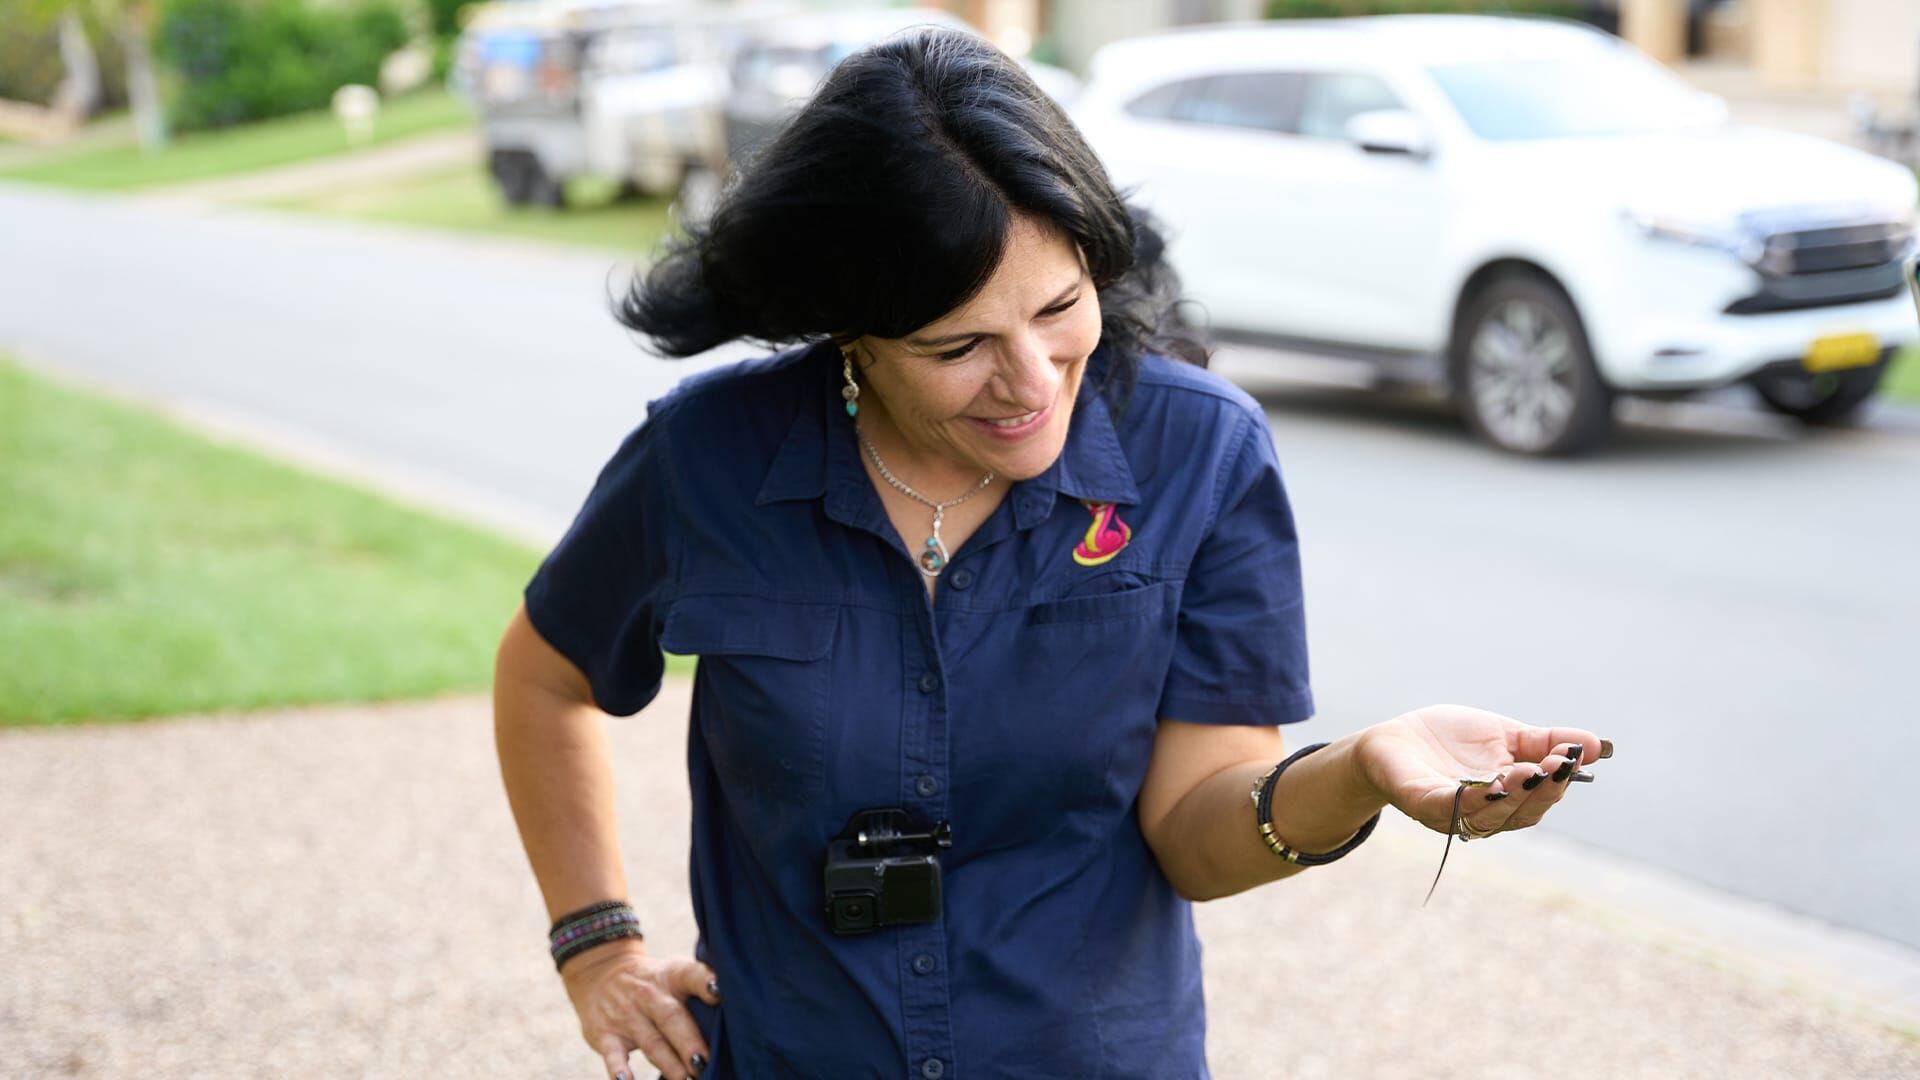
[1837,352]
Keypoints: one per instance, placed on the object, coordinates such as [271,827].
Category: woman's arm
[1198,818]
[558,772]
[552,744]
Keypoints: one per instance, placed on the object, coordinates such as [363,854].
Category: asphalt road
[1732,601]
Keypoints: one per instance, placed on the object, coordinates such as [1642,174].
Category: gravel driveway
[340,892]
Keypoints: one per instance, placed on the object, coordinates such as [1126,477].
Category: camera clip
[881,871]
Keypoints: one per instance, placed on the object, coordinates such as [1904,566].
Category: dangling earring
[851,391]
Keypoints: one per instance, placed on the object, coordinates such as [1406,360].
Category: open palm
[1418,759]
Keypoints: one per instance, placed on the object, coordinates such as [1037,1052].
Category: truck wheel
[1522,373]
[544,188]
[510,173]
[1831,399]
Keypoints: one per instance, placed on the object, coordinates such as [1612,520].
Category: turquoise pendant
[934,558]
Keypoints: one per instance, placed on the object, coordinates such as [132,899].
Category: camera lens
[852,914]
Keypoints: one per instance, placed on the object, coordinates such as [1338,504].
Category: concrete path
[423,154]
[340,892]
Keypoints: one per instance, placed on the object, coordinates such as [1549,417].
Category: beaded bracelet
[595,924]
[1263,814]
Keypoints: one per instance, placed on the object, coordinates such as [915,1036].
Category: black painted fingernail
[1533,781]
[699,1063]
[1565,770]
[1582,777]
[1575,753]
[1606,748]
[713,987]
[1496,796]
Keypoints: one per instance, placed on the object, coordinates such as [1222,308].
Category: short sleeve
[1240,654]
[599,595]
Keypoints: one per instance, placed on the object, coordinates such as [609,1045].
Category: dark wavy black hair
[885,203]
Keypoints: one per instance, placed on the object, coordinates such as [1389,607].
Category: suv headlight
[1713,236]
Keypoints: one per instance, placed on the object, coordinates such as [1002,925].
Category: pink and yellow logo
[1105,537]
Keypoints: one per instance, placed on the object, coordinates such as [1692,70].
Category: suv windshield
[1564,96]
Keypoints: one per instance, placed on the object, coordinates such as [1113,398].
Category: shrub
[443,16]
[446,52]
[30,65]
[240,60]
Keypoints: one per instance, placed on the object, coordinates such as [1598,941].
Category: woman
[981,557]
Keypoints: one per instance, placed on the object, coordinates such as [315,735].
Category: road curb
[1853,972]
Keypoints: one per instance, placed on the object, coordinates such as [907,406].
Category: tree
[132,23]
[80,92]
[134,28]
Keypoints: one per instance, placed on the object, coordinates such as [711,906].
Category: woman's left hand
[1418,759]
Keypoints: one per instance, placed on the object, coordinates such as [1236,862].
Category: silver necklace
[933,557]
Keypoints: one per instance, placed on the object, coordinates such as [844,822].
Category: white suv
[1526,209]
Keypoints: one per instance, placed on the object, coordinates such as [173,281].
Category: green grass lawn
[465,198]
[145,571]
[1903,378]
[120,165]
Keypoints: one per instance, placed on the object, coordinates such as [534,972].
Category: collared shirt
[1151,572]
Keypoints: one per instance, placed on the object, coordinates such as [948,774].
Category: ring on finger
[1468,831]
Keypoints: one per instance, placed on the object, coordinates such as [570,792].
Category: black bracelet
[1263,814]
[590,909]
[596,924]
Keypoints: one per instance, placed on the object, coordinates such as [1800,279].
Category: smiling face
[990,386]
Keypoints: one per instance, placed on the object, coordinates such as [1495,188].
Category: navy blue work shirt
[1152,571]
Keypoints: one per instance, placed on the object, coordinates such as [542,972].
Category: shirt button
[926,787]
[961,578]
[929,683]
[933,1068]
[923,964]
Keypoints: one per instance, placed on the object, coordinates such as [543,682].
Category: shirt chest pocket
[1068,712]
[763,689]
[1105,647]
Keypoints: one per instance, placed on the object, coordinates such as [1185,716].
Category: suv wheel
[1829,398]
[1522,373]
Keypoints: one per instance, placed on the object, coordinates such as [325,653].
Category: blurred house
[1869,45]
[1847,70]
[1794,45]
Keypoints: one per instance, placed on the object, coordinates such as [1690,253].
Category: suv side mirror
[1389,131]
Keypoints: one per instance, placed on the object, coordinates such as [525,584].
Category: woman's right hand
[630,1001]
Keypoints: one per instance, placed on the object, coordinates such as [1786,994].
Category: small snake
[1453,826]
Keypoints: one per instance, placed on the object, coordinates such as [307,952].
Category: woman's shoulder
[1192,430]
[755,389]
[1168,382]
[716,423]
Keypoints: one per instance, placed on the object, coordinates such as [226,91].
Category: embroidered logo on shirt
[1105,537]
